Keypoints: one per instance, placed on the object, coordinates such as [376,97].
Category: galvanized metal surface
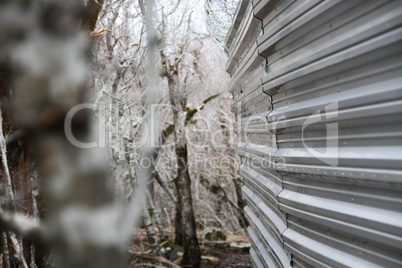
[318,98]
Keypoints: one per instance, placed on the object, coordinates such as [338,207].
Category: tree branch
[155,258]
[189,115]
[163,185]
[21,225]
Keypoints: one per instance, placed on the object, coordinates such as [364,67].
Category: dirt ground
[223,256]
[228,257]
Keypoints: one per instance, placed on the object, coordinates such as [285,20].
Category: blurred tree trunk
[83,219]
[18,146]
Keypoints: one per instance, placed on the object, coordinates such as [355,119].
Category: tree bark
[6,252]
[6,171]
[90,14]
[6,255]
[191,252]
[17,243]
[241,203]
[178,229]
[156,215]
[35,217]
[149,227]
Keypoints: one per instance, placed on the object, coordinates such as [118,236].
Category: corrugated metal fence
[318,99]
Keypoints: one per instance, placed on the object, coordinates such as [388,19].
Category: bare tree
[192,253]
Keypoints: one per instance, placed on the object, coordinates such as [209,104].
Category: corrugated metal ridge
[237,18]
[366,174]
[263,7]
[340,225]
[262,252]
[255,258]
[357,26]
[339,258]
[245,149]
[246,64]
[291,15]
[246,36]
[329,20]
[251,83]
[334,189]
[234,55]
[339,243]
[275,249]
[282,76]
[389,221]
[271,188]
[269,215]
[346,100]
[336,80]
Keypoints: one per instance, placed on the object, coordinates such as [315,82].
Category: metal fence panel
[317,91]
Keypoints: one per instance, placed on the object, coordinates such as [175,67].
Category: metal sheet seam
[277,146]
[262,26]
[274,155]
[231,74]
[266,117]
[239,12]
[262,31]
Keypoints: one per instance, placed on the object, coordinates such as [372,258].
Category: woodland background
[146,81]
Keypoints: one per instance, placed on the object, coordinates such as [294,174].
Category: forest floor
[231,253]
[228,257]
